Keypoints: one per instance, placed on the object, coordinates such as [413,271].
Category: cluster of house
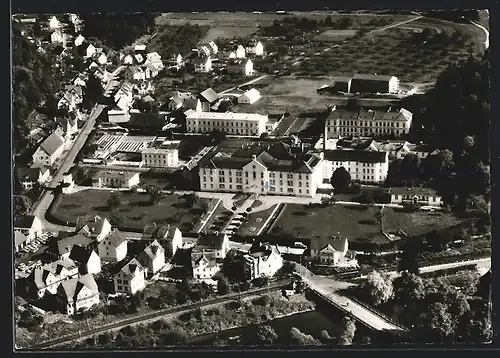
[95,244]
[366,83]
[235,60]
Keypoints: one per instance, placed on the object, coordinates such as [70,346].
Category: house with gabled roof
[240,52]
[87,259]
[130,277]
[256,48]
[28,177]
[79,293]
[63,246]
[200,64]
[54,23]
[373,83]
[28,225]
[113,247]
[79,40]
[49,150]
[249,97]
[20,241]
[244,67]
[204,265]
[152,258]
[126,59]
[90,50]
[262,260]
[330,251]
[169,237]
[218,243]
[47,279]
[208,98]
[96,227]
[415,195]
[68,125]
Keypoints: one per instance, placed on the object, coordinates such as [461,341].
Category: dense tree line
[118,30]
[180,39]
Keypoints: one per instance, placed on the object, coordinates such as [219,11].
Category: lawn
[219,220]
[221,32]
[255,222]
[134,211]
[353,222]
[417,223]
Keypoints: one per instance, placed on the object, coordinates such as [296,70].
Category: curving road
[154,315]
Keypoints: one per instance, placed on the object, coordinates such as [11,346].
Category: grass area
[134,211]
[353,222]
[335,35]
[255,222]
[417,223]
[219,32]
[219,219]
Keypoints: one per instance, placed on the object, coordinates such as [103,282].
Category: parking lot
[24,262]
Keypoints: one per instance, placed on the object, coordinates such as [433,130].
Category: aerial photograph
[250,179]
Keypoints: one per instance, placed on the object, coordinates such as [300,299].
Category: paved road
[154,315]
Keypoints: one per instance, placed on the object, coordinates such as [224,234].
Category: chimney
[254,157]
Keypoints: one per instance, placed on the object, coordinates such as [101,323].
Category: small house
[113,248]
[130,278]
[249,97]
[87,259]
[80,293]
[49,150]
[415,195]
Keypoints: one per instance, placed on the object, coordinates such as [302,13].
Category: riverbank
[176,329]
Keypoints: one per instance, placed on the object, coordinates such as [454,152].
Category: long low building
[364,166]
[115,179]
[245,124]
[415,195]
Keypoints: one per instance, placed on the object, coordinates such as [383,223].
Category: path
[244,84]
[395,25]
[487,33]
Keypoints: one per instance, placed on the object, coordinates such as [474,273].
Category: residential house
[90,51]
[97,227]
[73,96]
[28,177]
[213,47]
[80,293]
[126,59]
[241,67]
[87,259]
[329,251]
[179,60]
[204,265]
[240,52]
[102,59]
[115,179]
[420,150]
[57,37]
[217,243]
[154,59]
[345,122]
[20,241]
[139,59]
[124,96]
[201,64]
[140,48]
[177,100]
[118,115]
[63,247]
[244,124]
[204,50]
[415,195]
[49,150]
[150,70]
[54,23]
[135,72]
[169,237]
[256,48]
[342,84]
[265,169]
[68,126]
[161,153]
[363,166]
[262,260]
[131,278]
[68,184]
[80,80]
[249,97]
[113,247]
[48,278]
[208,98]
[152,258]
[366,83]
[192,104]
[79,40]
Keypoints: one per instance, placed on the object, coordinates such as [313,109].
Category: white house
[415,195]
[86,258]
[57,36]
[28,225]
[345,122]
[331,252]
[113,247]
[115,179]
[54,23]
[213,47]
[80,293]
[256,48]
[262,261]
[169,237]
[204,265]
[217,243]
[249,97]
[240,52]
[264,173]
[49,150]
[363,166]
[245,124]
[48,278]
[244,67]
[102,59]
[131,278]
[68,125]
[96,228]
[28,177]
[127,59]
[79,40]
[90,51]
[162,155]
[202,64]
[373,83]
[179,60]
[152,258]
[204,50]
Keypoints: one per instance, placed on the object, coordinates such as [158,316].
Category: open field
[228,32]
[417,223]
[335,35]
[353,222]
[134,211]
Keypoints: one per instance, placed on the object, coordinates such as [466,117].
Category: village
[211,190]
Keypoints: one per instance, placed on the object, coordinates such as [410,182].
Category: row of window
[356,163]
[209,129]
[254,174]
[240,187]
[350,130]
[358,123]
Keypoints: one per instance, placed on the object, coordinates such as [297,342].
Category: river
[312,323]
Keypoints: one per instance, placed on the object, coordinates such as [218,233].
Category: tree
[114,200]
[154,193]
[366,198]
[348,331]
[94,92]
[434,324]
[223,286]
[266,335]
[341,179]
[217,136]
[302,339]
[377,288]
[408,288]
[174,337]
